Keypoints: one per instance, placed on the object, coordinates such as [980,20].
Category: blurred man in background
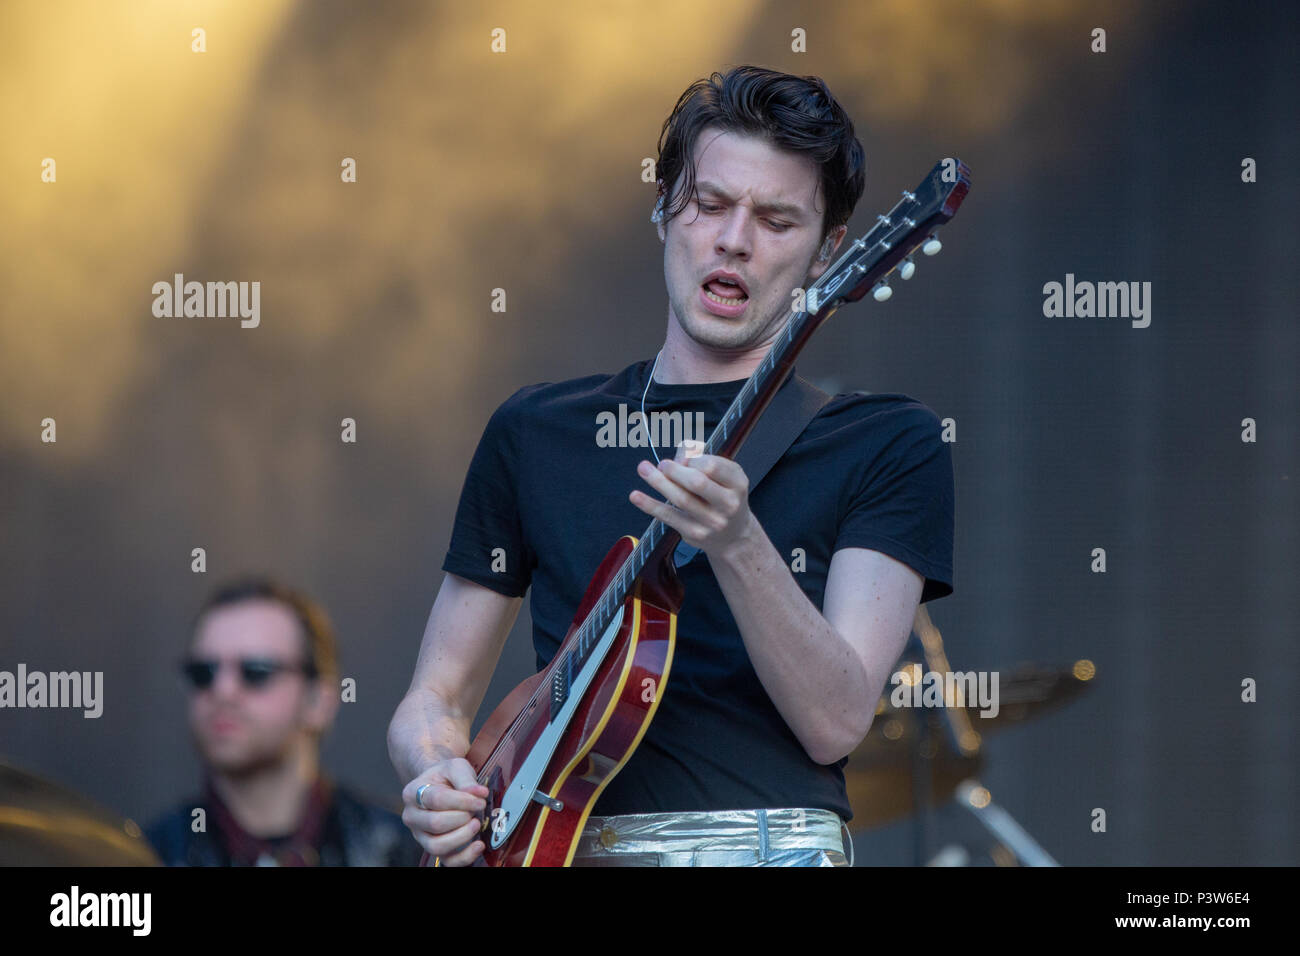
[263,677]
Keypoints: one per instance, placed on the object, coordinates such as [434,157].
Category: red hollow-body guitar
[550,748]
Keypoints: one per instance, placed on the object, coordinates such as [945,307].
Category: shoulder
[545,406]
[543,398]
[891,447]
[881,420]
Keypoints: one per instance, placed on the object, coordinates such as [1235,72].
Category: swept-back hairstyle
[796,113]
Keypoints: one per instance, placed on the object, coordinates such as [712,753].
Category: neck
[269,802]
[685,361]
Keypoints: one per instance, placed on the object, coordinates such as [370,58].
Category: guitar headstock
[890,245]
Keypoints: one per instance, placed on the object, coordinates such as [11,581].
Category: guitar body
[608,723]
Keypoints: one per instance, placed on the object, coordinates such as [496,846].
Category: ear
[831,243]
[660,199]
[322,703]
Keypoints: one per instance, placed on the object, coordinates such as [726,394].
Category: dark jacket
[357,833]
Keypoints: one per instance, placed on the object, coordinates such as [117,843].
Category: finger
[449,843]
[723,471]
[465,856]
[439,796]
[665,483]
[691,531]
[706,490]
[460,773]
[688,449]
[436,823]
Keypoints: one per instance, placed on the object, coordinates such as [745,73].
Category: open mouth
[724,292]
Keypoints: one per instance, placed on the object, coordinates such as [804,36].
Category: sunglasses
[253,671]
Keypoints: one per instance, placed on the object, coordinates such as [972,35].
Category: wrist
[742,549]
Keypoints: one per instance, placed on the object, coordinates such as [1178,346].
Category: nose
[227,683]
[734,239]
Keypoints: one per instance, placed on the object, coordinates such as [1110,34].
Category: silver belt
[720,830]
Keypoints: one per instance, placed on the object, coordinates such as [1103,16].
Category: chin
[241,765]
[224,759]
[719,333]
[233,758]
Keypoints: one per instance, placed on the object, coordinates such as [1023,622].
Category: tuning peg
[932,246]
[881,291]
[907,268]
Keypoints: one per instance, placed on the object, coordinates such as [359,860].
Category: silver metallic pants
[786,837]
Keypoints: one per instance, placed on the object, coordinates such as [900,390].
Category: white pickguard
[514,802]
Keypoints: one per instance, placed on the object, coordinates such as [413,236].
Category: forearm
[422,732]
[817,682]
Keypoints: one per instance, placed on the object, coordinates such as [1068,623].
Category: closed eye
[775,226]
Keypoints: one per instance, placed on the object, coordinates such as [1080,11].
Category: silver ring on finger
[420,793]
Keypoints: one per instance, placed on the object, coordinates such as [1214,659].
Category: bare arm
[824,672]
[428,736]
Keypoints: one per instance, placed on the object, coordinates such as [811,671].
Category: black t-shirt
[548,486]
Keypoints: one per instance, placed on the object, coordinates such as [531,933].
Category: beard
[245,756]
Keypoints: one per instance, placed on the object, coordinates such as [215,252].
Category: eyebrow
[780,208]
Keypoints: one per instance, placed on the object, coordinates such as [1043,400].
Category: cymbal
[1024,693]
[880,774]
[45,824]
[1030,691]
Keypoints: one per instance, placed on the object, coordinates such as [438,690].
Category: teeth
[721,301]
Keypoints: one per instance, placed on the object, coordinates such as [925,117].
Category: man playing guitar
[742,764]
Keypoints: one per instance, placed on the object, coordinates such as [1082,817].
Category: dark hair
[318,634]
[792,112]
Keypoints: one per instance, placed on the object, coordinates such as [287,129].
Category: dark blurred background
[522,171]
